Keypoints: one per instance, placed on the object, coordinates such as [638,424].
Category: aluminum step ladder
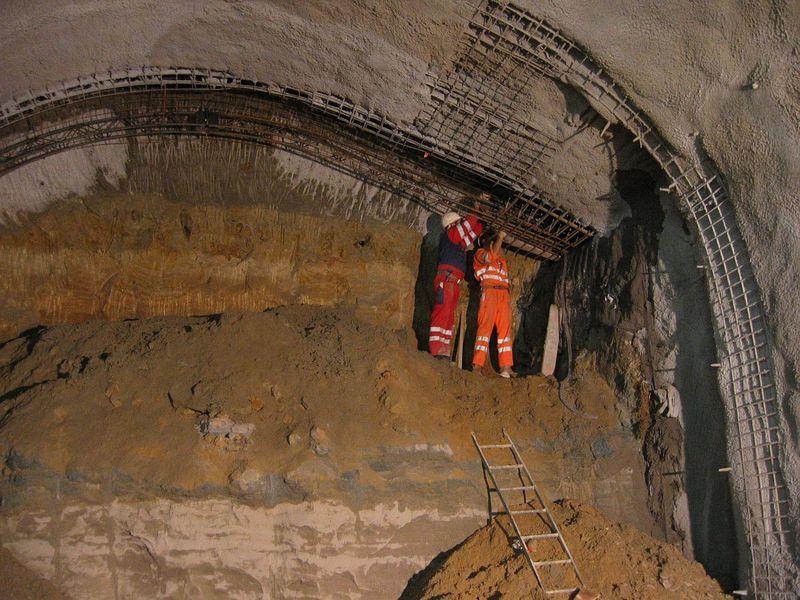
[532,506]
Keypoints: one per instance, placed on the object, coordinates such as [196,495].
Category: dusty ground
[615,560]
[17,582]
[127,396]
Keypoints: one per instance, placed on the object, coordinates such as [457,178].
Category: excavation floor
[615,560]
[335,457]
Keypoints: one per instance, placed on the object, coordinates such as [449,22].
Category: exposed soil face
[18,582]
[615,560]
[335,456]
[141,390]
[120,256]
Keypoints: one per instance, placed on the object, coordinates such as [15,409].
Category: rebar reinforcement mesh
[425,167]
[174,101]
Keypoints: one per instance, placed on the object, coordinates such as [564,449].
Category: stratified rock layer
[298,452]
[122,256]
[126,256]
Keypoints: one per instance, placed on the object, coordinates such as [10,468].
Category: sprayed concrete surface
[691,69]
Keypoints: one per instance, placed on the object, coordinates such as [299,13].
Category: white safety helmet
[449,218]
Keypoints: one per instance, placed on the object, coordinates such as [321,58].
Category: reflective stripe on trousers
[494,311]
[446,293]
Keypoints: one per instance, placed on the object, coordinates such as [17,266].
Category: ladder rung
[539,536]
[495,446]
[527,511]
[562,591]
[565,561]
[516,466]
[518,488]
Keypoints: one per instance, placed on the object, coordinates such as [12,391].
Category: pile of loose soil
[615,560]
[17,582]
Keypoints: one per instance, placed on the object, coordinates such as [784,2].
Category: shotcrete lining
[539,228]
[744,347]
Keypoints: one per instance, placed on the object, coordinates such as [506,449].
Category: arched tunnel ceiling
[329,129]
[691,72]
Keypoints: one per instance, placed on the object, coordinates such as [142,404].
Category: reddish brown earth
[17,582]
[615,560]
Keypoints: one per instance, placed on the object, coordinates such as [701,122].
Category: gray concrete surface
[690,67]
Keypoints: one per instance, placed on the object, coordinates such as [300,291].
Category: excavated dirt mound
[615,560]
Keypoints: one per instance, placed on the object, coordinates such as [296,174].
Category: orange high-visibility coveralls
[495,308]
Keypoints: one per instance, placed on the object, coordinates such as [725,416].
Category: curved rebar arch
[148,101]
[746,374]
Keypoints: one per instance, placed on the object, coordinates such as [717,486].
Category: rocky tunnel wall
[633,308]
[318,503]
[703,100]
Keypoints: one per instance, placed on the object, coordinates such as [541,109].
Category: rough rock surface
[634,306]
[358,467]
[123,256]
[615,560]
[691,68]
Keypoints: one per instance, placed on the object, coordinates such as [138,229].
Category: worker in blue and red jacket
[459,235]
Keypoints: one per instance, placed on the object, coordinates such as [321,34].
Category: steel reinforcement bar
[26,125]
[746,372]
[745,367]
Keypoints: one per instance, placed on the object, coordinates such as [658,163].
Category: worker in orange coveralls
[491,269]
[458,236]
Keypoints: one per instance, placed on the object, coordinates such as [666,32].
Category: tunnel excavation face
[213,194]
[182,143]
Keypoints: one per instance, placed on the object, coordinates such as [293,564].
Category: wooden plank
[550,343]
[462,332]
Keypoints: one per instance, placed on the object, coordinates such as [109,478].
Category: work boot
[506,373]
[477,369]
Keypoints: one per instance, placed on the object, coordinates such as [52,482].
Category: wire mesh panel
[68,116]
[746,372]
[476,106]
